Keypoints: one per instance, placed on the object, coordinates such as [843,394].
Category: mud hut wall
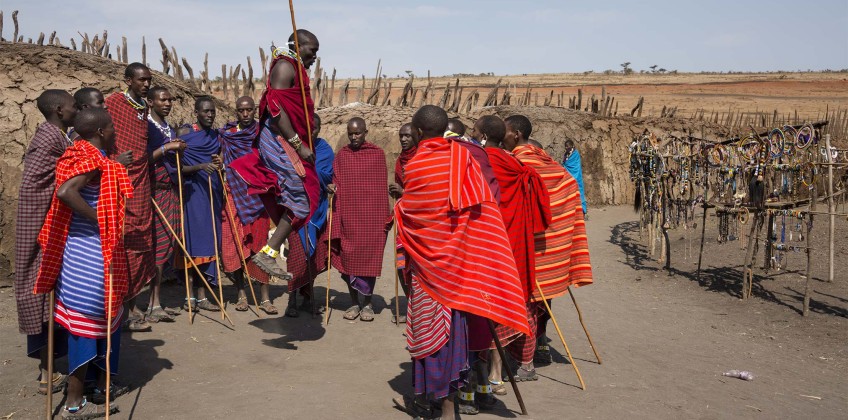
[25,72]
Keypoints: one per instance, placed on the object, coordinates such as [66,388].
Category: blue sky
[446,37]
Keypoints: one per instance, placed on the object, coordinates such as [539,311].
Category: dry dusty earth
[665,340]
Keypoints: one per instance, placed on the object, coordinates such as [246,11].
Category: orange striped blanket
[562,251]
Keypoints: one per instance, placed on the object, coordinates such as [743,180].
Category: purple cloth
[236,143]
[293,195]
[362,284]
[479,154]
[446,370]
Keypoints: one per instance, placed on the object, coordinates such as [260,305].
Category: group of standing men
[488,226]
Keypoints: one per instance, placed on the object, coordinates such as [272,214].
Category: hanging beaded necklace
[71,142]
[166,130]
[140,107]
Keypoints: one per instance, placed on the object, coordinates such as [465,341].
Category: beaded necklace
[71,142]
[166,130]
[140,107]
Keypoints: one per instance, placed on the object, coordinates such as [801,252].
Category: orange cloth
[562,251]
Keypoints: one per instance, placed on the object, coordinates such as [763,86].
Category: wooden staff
[50,349]
[397,280]
[190,261]
[301,82]
[329,253]
[215,239]
[109,346]
[182,232]
[508,371]
[237,235]
[580,316]
[567,351]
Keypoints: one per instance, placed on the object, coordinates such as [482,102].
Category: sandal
[59,383]
[402,319]
[158,314]
[291,310]
[87,410]
[268,308]
[498,388]
[137,323]
[543,355]
[206,305]
[98,396]
[465,403]
[485,400]
[352,313]
[367,314]
[241,304]
[270,266]
[193,305]
[524,375]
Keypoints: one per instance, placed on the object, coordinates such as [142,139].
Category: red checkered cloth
[38,182]
[131,134]
[252,237]
[360,210]
[115,188]
[520,346]
[296,263]
[168,200]
[562,251]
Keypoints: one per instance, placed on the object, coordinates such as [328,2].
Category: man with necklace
[129,114]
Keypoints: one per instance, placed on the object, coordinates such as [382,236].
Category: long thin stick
[580,316]
[508,371]
[109,346]
[182,232]
[215,239]
[191,262]
[50,350]
[300,78]
[567,351]
[329,255]
[703,220]
[397,279]
[237,237]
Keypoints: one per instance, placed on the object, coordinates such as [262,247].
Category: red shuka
[115,188]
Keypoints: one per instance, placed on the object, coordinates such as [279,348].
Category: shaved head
[88,97]
[245,101]
[521,124]
[492,127]
[89,120]
[303,36]
[357,121]
[455,125]
[431,120]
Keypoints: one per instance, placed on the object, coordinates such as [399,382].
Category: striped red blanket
[562,251]
[455,237]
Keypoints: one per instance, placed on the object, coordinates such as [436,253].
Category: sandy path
[664,341]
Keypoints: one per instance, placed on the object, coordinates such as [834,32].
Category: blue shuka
[574,167]
[200,242]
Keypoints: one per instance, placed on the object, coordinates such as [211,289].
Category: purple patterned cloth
[235,143]
[446,370]
[361,284]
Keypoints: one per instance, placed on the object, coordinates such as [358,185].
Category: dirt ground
[664,339]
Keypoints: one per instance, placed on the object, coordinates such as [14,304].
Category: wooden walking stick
[329,253]
[237,234]
[580,316]
[215,239]
[397,280]
[567,351]
[191,262]
[109,346]
[300,78]
[182,232]
[50,349]
[508,371]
